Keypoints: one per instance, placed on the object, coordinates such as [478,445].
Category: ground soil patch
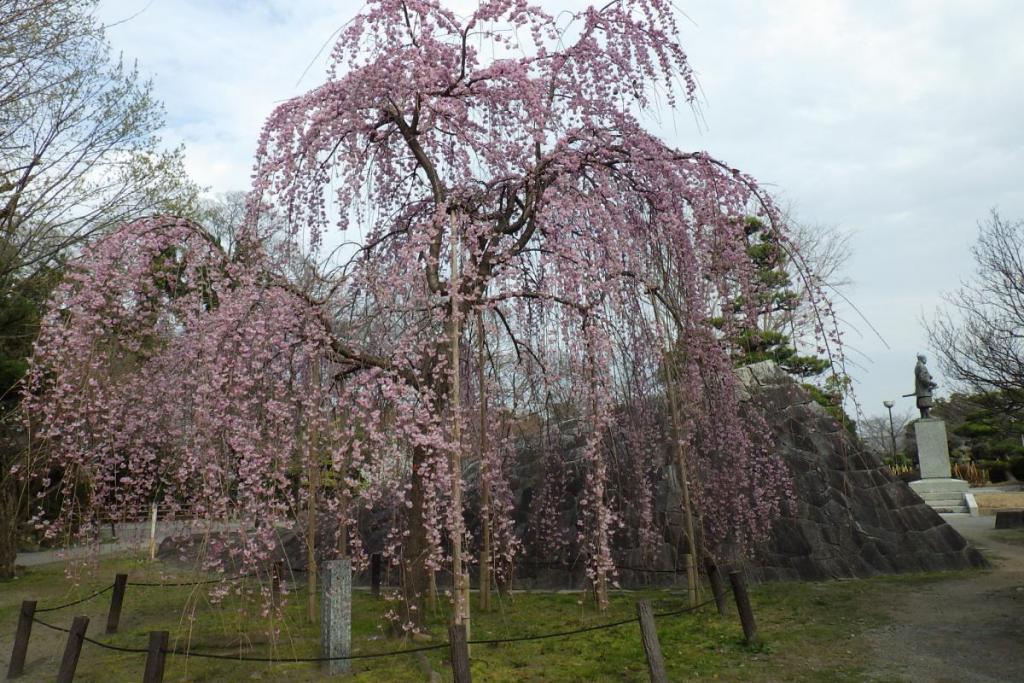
[964,629]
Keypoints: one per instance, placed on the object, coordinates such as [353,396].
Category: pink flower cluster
[494,164]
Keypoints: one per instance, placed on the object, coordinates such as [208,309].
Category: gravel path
[964,630]
[131,536]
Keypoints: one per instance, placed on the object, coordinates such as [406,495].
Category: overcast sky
[901,123]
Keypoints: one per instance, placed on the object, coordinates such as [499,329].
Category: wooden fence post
[717,586]
[156,657]
[460,653]
[116,600]
[21,636]
[336,614]
[739,591]
[649,636]
[375,561]
[68,663]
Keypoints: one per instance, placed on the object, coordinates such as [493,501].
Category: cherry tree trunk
[8,529]
[415,581]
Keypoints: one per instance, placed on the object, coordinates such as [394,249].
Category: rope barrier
[210,655]
[496,641]
[689,609]
[575,565]
[105,646]
[148,584]
[76,602]
[543,636]
[297,660]
[50,626]
[372,655]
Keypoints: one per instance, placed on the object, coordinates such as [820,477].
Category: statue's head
[921,358]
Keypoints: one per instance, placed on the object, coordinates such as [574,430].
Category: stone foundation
[853,518]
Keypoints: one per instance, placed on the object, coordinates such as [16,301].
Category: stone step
[946,500]
[943,495]
[958,505]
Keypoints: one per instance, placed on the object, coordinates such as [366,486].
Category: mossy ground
[809,633]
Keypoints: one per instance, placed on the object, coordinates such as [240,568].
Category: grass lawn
[809,630]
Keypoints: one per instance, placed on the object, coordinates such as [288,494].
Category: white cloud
[899,121]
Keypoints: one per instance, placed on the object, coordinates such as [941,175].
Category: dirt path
[131,536]
[966,630]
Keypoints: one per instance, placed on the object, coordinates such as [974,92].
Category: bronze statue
[923,385]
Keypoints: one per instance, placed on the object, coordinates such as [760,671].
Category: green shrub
[1017,468]
[980,452]
[1007,449]
[996,469]
[997,474]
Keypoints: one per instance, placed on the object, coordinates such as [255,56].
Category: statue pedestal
[936,487]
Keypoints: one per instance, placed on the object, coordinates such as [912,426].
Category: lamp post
[892,430]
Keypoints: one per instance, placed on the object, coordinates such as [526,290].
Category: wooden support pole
[156,657]
[69,662]
[485,477]
[717,586]
[311,567]
[649,636]
[152,532]
[336,614]
[739,590]
[375,562]
[432,591]
[692,582]
[276,571]
[460,653]
[21,636]
[464,589]
[116,600]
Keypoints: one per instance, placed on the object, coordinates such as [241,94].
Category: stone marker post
[336,614]
[936,487]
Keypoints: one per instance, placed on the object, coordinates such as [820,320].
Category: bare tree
[815,261]
[78,155]
[826,250]
[223,215]
[978,335]
[881,437]
[78,145]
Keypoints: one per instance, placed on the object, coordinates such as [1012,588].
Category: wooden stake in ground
[717,586]
[156,657]
[652,647]
[116,600]
[21,636]
[739,590]
[72,650]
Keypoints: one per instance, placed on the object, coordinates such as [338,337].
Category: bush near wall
[996,470]
[1017,468]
